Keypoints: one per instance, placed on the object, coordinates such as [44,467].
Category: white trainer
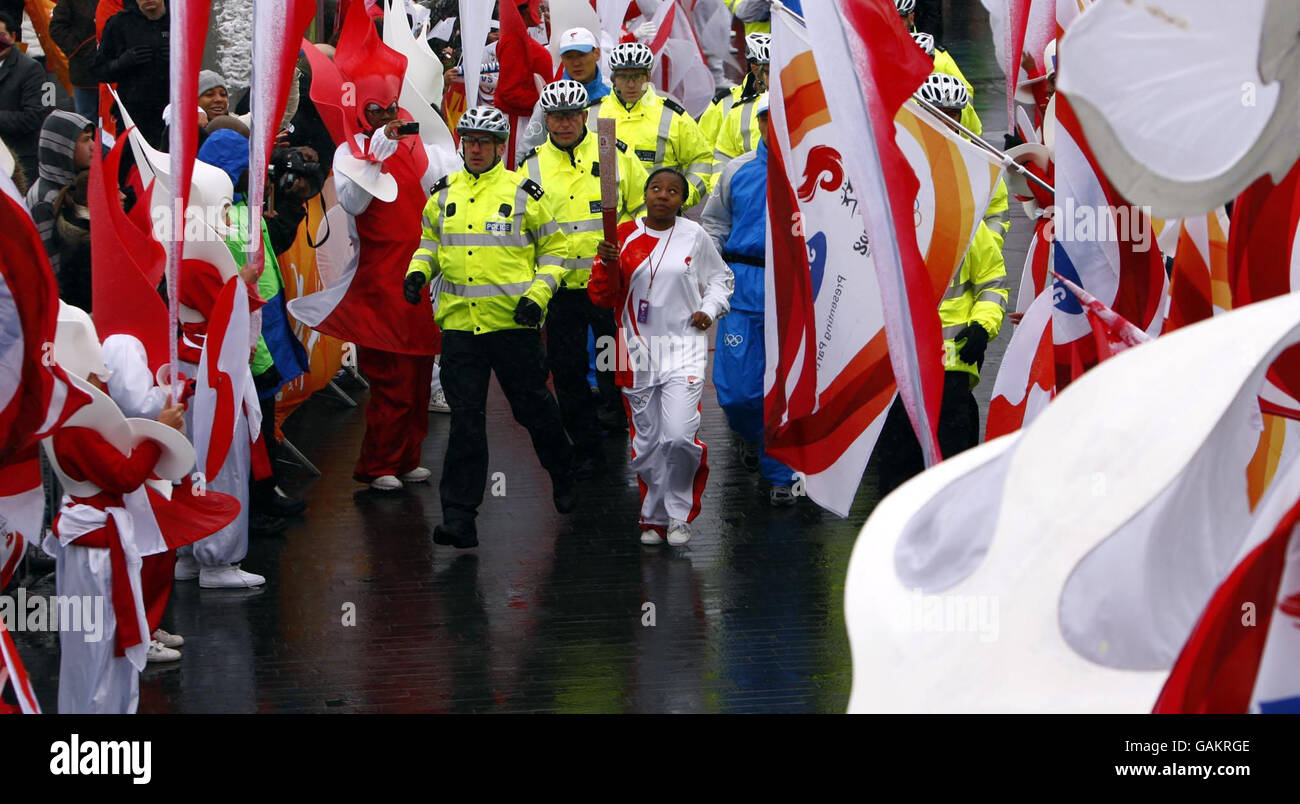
[187,569]
[168,640]
[158,652]
[438,402]
[651,537]
[417,475]
[386,483]
[679,532]
[229,576]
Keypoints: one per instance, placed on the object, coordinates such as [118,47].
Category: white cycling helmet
[945,91]
[484,120]
[563,96]
[905,7]
[924,41]
[758,48]
[631,56]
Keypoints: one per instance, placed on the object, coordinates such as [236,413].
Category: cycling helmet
[924,41]
[631,56]
[945,91]
[484,120]
[758,48]
[564,96]
[905,7]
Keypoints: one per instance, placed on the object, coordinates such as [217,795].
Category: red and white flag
[224,380]
[1242,655]
[1112,333]
[13,672]
[278,27]
[1263,258]
[1026,380]
[22,508]
[847,267]
[1199,286]
[1104,245]
[188,32]
[35,395]
[680,68]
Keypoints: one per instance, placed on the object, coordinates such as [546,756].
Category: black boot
[461,534]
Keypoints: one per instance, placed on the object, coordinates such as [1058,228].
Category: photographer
[294,177]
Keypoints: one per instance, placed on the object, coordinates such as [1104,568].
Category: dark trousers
[570,313]
[468,361]
[899,452]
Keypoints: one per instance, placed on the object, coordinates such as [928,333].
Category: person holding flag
[658,129]
[499,257]
[971,315]
[568,164]
[736,218]
[668,284]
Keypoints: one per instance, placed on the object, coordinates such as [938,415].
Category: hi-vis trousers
[670,462]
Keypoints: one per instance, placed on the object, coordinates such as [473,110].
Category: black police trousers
[468,360]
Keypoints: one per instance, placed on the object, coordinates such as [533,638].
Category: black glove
[411,287]
[527,313]
[977,340]
[1011,141]
[135,57]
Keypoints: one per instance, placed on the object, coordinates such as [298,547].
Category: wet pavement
[552,613]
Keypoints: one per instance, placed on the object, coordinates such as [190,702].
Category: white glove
[380,146]
[647,30]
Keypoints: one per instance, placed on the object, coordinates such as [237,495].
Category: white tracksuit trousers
[666,455]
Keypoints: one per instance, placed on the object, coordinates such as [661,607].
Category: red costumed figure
[383,179]
[119,507]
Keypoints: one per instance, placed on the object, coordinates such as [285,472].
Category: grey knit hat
[210,79]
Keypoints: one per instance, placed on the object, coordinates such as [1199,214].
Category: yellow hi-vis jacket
[943,63]
[757,26]
[711,120]
[571,179]
[739,133]
[978,293]
[492,240]
[660,132]
[998,214]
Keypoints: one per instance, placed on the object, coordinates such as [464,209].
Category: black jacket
[73,29]
[21,110]
[144,87]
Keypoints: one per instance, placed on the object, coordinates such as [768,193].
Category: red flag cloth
[122,261]
[188,517]
[1216,670]
[1261,242]
[521,57]
[35,394]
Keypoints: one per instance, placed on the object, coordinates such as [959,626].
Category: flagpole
[1006,160]
[1002,156]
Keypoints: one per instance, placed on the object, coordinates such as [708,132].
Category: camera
[287,165]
